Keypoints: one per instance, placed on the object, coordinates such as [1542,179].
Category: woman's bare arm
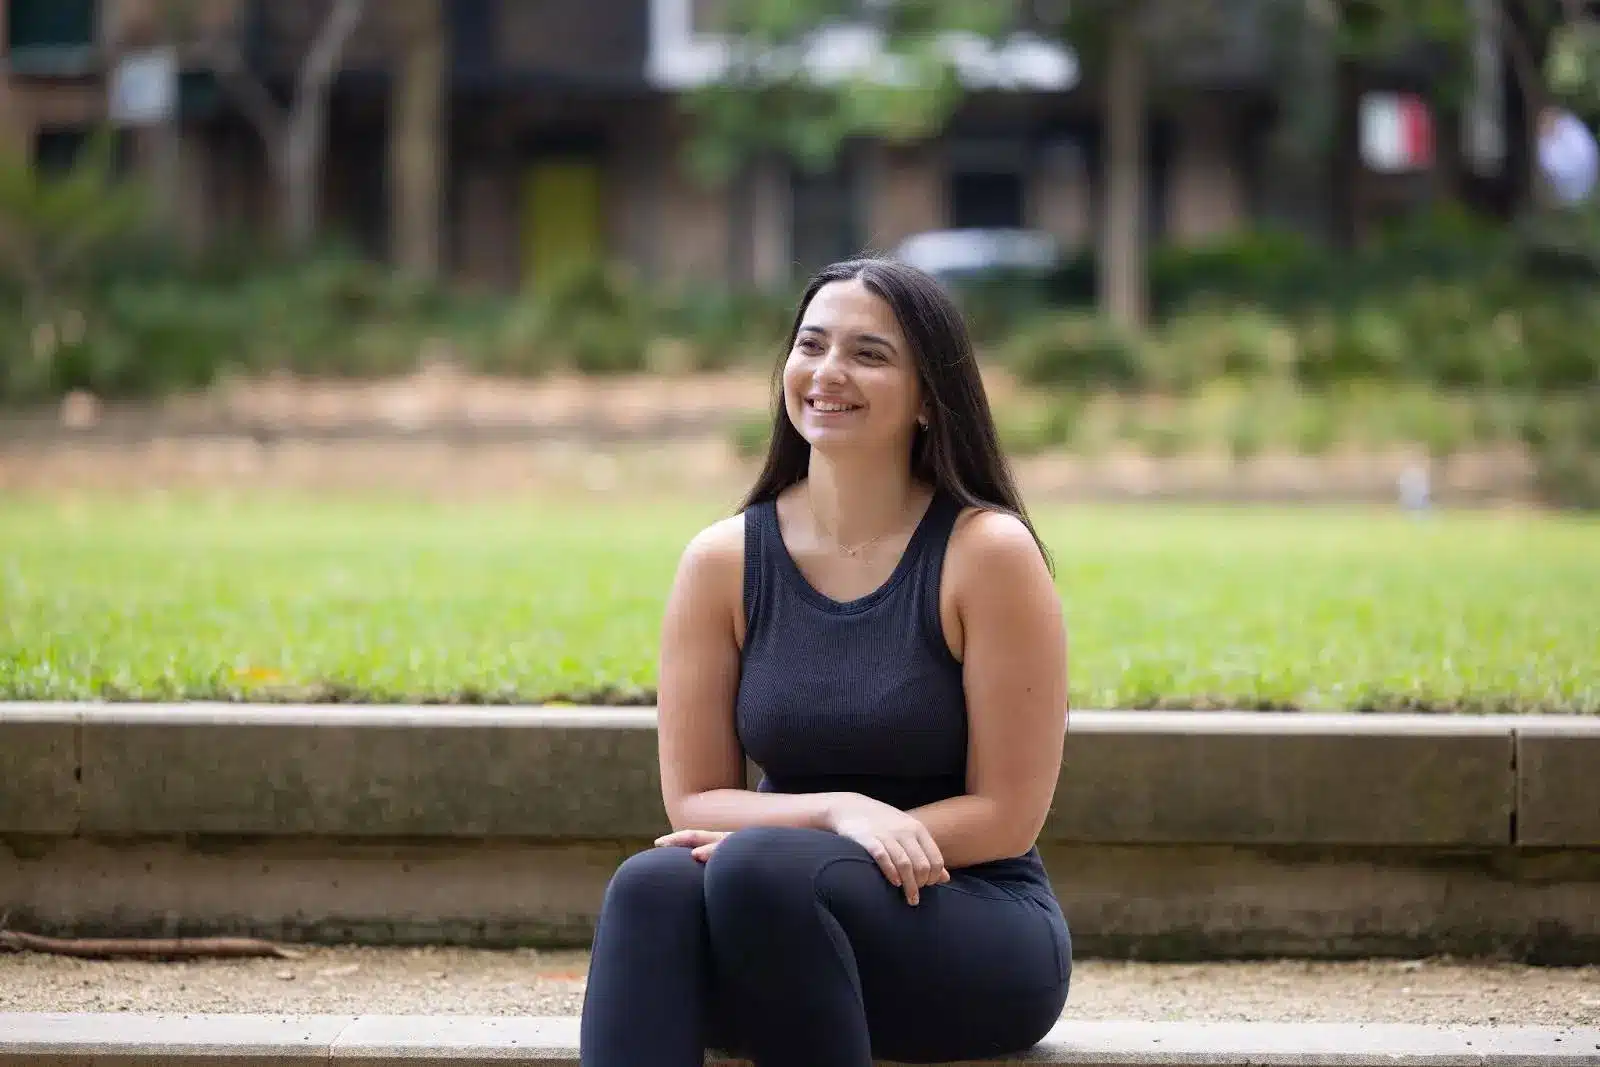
[1014,660]
[702,766]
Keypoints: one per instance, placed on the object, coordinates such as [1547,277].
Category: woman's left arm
[1014,659]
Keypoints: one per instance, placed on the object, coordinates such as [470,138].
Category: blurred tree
[771,101]
[415,144]
[292,134]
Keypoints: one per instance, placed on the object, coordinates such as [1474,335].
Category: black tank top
[858,696]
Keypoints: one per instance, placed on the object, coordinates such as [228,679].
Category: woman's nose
[831,365]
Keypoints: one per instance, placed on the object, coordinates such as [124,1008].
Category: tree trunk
[299,176]
[416,139]
[305,133]
[1526,53]
[1122,276]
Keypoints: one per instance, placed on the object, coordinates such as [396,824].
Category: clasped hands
[900,844]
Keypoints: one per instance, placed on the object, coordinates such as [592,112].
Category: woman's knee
[770,863]
[661,879]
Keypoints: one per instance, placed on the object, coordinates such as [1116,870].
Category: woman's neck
[858,502]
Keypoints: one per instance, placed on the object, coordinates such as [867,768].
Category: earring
[922,421]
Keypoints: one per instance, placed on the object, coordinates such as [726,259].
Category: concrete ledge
[1241,778]
[1558,790]
[396,773]
[1174,835]
[1169,902]
[39,769]
[422,1041]
[386,772]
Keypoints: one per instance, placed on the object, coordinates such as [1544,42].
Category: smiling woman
[878,630]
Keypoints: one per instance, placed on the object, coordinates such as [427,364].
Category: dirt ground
[442,431]
[440,981]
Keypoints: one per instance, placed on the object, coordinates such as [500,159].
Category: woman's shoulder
[991,532]
[993,550]
[717,547]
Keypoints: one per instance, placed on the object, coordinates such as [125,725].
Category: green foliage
[172,598]
[591,318]
[769,102]
[1565,441]
[751,436]
[54,228]
[1438,334]
[1572,68]
[1369,28]
[1075,348]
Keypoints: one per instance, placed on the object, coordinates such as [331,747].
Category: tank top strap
[927,580]
[760,526]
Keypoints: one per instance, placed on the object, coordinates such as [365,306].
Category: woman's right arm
[702,766]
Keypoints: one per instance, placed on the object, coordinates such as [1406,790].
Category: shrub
[751,435]
[1563,433]
[593,319]
[1076,349]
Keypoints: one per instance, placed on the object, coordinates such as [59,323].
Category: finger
[880,854]
[687,838]
[935,858]
[902,863]
[703,852]
[922,868]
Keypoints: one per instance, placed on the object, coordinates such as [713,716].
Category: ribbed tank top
[862,695]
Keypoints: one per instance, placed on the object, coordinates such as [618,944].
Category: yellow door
[562,226]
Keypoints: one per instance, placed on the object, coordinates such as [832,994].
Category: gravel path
[438,981]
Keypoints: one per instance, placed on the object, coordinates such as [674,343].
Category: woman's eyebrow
[869,338]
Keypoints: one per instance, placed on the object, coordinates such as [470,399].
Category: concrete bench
[1173,834]
[420,1041]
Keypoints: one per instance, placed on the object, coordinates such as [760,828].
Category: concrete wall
[1179,835]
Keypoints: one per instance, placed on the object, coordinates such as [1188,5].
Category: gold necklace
[851,552]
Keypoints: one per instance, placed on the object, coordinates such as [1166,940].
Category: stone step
[126,1040]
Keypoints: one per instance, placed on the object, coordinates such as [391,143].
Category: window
[56,150]
[986,200]
[50,36]
[824,220]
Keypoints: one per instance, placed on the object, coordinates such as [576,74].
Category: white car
[959,254]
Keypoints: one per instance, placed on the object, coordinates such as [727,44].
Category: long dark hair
[959,453]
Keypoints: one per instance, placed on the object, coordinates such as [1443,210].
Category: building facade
[566,130]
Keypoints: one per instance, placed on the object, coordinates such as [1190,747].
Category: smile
[831,407]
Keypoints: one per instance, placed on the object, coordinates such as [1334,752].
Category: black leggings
[790,947]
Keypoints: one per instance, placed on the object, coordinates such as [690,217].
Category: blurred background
[1217,248]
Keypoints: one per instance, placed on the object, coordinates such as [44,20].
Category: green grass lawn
[194,598]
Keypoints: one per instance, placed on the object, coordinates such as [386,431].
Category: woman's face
[851,380]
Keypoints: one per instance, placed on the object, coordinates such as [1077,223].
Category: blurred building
[565,130]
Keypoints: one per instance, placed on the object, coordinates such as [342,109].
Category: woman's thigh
[972,970]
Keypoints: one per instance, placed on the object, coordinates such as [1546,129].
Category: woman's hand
[700,843]
[903,848]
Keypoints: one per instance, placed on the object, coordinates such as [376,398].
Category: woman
[879,631]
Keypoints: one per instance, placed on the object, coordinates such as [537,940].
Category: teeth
[823,405]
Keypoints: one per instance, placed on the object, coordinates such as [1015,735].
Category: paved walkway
[437,981]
